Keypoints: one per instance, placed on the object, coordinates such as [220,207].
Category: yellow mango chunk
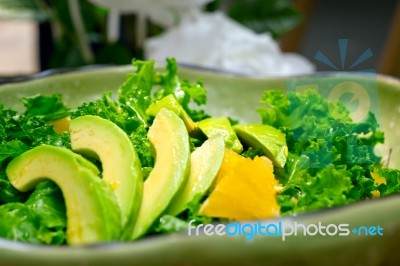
[61,125]
[377,180]
[244,189]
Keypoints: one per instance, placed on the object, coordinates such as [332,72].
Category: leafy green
[18,222]
[184,91]
[47,107]
[274,16]
[7,192]
[392,185]
[307,191]
[196,92]
[12,149]
[192,211]
[19,133]
[9,150]
[170,224]
[41,219]
[40,133]
[135,92]
[28,129]
[252,152]
[47,202]
[109,109]
[143,148]
[330,157]
[168,81]
[38,216]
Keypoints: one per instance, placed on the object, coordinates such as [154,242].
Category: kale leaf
[47,107]
[392,185]
[330,157]
[41,219]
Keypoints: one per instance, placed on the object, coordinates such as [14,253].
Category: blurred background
[265,37]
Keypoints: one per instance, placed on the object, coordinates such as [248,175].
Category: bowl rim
[113,245]
[189,67]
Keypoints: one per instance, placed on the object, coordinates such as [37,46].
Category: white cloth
[216,41]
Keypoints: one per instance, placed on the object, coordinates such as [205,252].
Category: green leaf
[41,219]
[252,152]
[109,109]
[143,148]
[195,91]
[168,224]
[274,16]
[135,92]
[18,222]
[392,185]
[12,149]
[19,133]
[330,157]
[47,202]
[168,81]
[47,107]
[309,192]
[184,91]
[7,191]
[192,212]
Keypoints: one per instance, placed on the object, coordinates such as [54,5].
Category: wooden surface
[390,60]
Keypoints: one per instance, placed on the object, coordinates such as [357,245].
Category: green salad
[148,160]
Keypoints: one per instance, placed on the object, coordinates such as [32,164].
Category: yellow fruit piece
[245,189]
[376,194]
[377,180]
[61,125]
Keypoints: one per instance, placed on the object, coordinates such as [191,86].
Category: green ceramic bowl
[238,97]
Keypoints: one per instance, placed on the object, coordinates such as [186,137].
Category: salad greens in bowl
[150,165]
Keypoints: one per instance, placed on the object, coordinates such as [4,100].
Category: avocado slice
[269,139]
[205,163]
[171,103]
[92,211]
[221,126]
[170,141]
[100,138]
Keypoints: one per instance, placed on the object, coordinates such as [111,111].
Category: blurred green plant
[73,44]
[78,28]
[25,9]
[274,16]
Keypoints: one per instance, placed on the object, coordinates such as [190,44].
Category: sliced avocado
[221,126]
[170,141]
[93,214]
[101,138]
[205,163]
[269,139]
[171,103]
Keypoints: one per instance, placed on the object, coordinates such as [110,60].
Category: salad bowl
[378,220]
